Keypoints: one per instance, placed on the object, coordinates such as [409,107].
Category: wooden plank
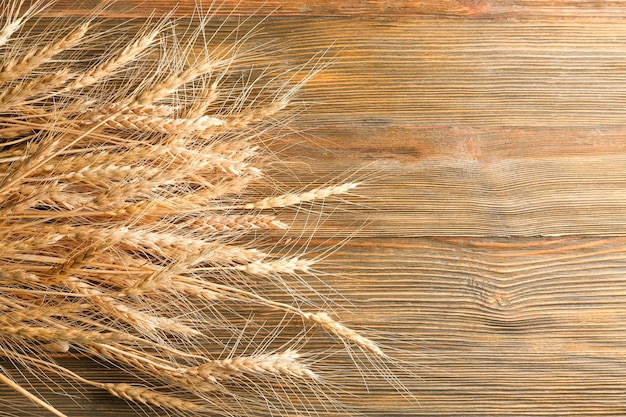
[524,326]
[472,181]
[442,72]
[136,8]
[439,72]
[504,9]
[492,326]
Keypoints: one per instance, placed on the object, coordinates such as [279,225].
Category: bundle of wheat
[132,198]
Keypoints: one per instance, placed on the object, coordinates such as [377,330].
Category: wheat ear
[282,363]
[32,88]
[106,68]
[170,84]
[142,395]
[292,199]
[18,67]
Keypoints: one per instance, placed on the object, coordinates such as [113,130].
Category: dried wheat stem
[18,276]
[28,165]
[205,251]
[200,201]
[61,271]
[205,158]
[122,390]
[27,244]
[58,318]
[291,199]
[161,110]
[154,195]
[13,22]
[195,289]
[18,67]
[252,116]
[12,384]
[154,365]
[180,155]
[143,164]
[320,318]
[29,196]
[31,312]
[216,255]
[103,173]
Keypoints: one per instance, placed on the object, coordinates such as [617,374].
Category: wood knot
[488,295]
[499,299]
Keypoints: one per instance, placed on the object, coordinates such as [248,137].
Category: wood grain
[491,243]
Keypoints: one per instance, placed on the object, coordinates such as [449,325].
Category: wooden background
[492,239]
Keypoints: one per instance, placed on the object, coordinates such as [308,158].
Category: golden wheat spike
[15,68]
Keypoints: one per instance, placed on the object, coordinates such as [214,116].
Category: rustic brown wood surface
[492,226]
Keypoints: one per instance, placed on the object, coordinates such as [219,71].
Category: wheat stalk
[130,211]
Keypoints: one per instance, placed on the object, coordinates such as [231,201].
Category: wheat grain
[172,83]
[342,331]
[145,396]
[207,96]
[33,88]
[291,199]
[18,67]
[239,222]
[291,265]
[47,334]
[106,68]
[157,124]
[282,363]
